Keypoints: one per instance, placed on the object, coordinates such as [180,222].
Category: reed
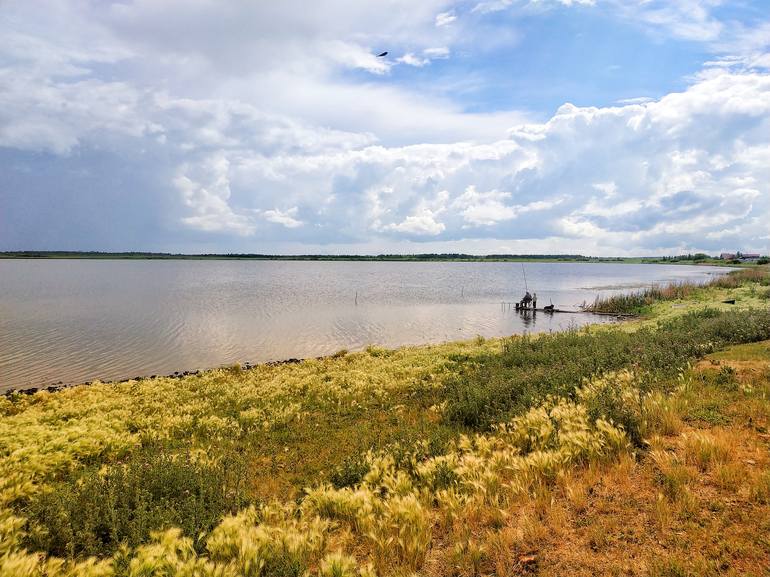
[637,302]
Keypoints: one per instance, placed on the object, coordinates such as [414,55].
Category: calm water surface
[78,320]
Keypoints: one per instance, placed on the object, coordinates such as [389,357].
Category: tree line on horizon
[379,257]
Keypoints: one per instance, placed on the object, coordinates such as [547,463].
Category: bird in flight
[382,54]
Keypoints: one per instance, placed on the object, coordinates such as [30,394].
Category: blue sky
[594,126]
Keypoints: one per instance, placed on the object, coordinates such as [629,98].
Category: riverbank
[609,449]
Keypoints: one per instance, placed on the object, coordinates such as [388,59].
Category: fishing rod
[526,288]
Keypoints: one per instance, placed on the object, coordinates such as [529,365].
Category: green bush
[350,472]
[94,514]
[529,368]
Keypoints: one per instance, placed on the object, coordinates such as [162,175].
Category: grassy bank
[754,282]
[633,449]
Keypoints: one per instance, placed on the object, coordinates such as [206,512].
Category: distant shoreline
[429,257]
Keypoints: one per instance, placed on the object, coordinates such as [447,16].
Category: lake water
[79,320]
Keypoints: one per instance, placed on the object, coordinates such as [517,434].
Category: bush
[528,369]
[93,515]
[350,472]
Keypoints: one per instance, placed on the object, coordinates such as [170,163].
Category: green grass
[497,386]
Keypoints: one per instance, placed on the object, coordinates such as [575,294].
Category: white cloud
[274,124]
[484,208]
[436,52]
[488,6]
[445,18]
[687,19]
[424,223]
[286,218]
[355,56]
[636,100]
[413,60]
[208,197]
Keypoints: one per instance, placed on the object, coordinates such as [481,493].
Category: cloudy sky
[605,127]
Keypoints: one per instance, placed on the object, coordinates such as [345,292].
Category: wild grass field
[634,449]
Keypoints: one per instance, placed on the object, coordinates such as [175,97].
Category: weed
[672,476]
[760,488]
[350,472]
[126,502]
[706,450]
[337,565]
[669,567]
[468,556]
[729,476]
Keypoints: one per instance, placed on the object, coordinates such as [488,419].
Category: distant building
[739,255]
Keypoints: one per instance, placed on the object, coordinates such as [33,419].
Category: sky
[598,127]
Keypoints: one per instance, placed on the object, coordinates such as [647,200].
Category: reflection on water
[77,320]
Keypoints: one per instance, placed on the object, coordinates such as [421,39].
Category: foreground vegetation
[634,449]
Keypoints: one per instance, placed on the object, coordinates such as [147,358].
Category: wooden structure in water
[517,306]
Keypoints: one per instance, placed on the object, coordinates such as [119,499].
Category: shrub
[530,368]
[615,398]
[126,502]
[350,472]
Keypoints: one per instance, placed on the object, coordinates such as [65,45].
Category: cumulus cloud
[268,135]
[636,177]
[423,223]
[205,189]
[285,218]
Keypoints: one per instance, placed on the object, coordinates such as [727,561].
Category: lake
[80,320]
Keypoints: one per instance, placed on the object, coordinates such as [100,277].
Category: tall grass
[636,302]
[528,369]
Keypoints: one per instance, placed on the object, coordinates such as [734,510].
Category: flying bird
[382,54]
